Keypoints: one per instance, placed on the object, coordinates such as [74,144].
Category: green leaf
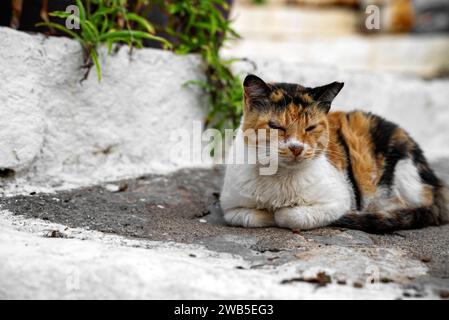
[141,21]
[102,12]
[202,84]
[60,28]
[60,14]
[94,56]
[105,24]
[79,3]
[91,28]
[131,34]
[109,45]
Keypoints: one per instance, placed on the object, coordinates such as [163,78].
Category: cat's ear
[256,91]
[324,95]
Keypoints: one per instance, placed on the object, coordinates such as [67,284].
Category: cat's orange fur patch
[306,98]
[335,150]
[355,129]
[276,96]
[427,195]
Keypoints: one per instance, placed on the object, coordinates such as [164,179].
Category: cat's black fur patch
[381,132]
[291,93]
[425,172]
[350,172]
[259,94]
[377,223]
[394,153]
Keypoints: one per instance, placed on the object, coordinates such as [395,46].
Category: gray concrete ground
[183,208]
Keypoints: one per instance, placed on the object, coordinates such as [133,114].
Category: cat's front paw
[292,218]
[249,218]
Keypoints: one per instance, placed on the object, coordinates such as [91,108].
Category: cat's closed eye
[273,125]
[310,128]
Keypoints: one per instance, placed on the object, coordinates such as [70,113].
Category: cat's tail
[400,219]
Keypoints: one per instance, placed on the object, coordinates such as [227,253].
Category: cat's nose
[296,149]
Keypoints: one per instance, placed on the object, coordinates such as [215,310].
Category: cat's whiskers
[331,152]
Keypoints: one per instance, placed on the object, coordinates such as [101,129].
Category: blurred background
[404,36]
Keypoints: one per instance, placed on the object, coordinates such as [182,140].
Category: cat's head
[297,113]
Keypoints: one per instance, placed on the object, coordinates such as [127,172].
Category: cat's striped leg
[248,217]
[309,217]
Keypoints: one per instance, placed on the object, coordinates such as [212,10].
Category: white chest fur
[314,182]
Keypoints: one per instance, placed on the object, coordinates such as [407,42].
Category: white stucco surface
[56,131]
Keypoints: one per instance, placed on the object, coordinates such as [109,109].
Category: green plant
[106,22]
[193,26]
[201,26]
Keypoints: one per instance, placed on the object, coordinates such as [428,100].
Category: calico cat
[354,170]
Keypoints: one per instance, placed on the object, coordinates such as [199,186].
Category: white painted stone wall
[56,131]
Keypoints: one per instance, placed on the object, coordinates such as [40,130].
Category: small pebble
[406,294]
[386,280]
[54,234]
[112,187]
[160,206]
[202,221]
